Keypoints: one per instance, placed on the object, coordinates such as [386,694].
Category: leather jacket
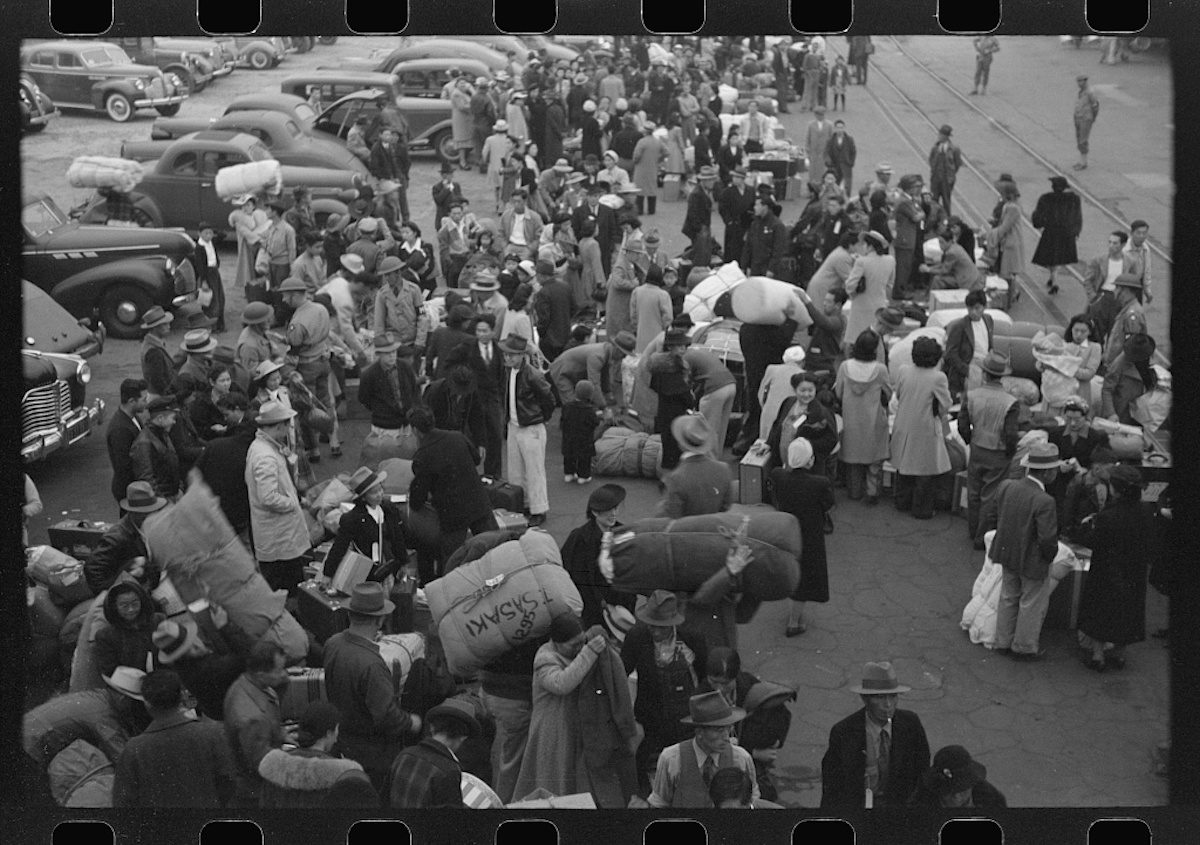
[535,401]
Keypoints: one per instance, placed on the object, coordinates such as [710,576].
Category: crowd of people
[560,289]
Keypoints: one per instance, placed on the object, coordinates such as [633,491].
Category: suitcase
[508,520]
[60,572]
[303,688]
[505,496]
[77,537]
[352,570]
[752,476]
[319,613]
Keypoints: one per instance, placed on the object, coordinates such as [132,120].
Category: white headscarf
[793,355]
[800,454]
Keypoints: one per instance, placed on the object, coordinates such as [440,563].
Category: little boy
[580,417]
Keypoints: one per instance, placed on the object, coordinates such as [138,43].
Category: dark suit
[359,529]
[121,432]
[840,159]
[608,234]
[443,194]
[426,775]
[444,474]
[909,217]
[737,211]
[765,247]
[212,275]
[960,349]
[489,380]
[699,485]
[699,213]
[554,305]
[844,766]
[154,460]
[223,465]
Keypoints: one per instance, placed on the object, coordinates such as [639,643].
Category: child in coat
[580,417]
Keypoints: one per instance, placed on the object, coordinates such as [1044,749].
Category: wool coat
[864,390]
[1007,235]
[177,761]
[774,390]
[876,275]
[606,720]
[699,485]
[806,496]
[918,433]
[276,516]
[843,768]
[1060,217]
[649,313]
[1026,521]
[1112,608]
[647,155]
[960,350]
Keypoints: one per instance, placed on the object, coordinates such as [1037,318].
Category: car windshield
[99,57]
[41,217]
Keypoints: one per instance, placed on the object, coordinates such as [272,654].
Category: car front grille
[44,407]
[156,89]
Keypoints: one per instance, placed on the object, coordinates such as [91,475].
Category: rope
[490,585]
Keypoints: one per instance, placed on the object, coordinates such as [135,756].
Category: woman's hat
[605,498]
[581,79]
[800,453]
[242,199]
[589,106]
[1042,456]
[273,413]
[514,344]
[562,166]
[174,639]
[500,125]
[675,337]
[456,708]
[661,608]
[141,498]
[364,478]
[385,342]
[156,316]
[877,238]
[527,267]
[953,771]
[626,342]
[692,432]
[1138,348]
[611,154]
[265,368]
[891,317]
[710,709]
[879,679]
[368,599]
[794,355]
[1057,182]
[995,364]
[127,681]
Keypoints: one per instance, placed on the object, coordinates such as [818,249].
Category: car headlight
[139,84]
[169,266]
[83,372]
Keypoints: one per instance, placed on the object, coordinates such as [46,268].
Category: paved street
[1050,733]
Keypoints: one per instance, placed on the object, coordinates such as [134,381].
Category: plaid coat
[426,775]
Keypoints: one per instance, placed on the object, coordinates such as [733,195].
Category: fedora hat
[661,608]
[486,283]
[1138,348]
[618,621]
[877,238]
[272,413]
[225,354]
[605,498]
[1041,456]
[265,368]
[161,405]
[514,344]
[197,342]
[1055,181]
[996,364]
[386,342]
[738,173]
[879,679]
[352,262]
[140,498]
[692,432]
[156,316]
[1128,280]
[953,771]
[127,681]
[256,313]
[707,172]
[364,478]
[710,709]
[197,319]
[368,599]
[456,708]
[626,342]
[891,317]
[174,639]
[293,285]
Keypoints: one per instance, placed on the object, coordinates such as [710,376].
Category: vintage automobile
[288,142]
[428,119]
[181,188]
[433,48]
[427,77]
[55,412]
[114,273]
[195,71]
[221,53]
[100,77]
[36,108]
[261,53]
[326,86]
[297,108]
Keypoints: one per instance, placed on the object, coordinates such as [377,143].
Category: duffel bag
[485,608]
[203,556]
[105,172]
[59,572]
[45,617]
[768,302]
[329,494]
[81,776]
[376,448]
[701,301]
[85,672]
[651,456]
[681,554]
[608,452]
[400,652]
[631,455]
[250,178]
[399,475]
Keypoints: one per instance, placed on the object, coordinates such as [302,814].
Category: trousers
[716,408]
[859,476]
[508,749]
[985,470]
[527,463]
[1021,611]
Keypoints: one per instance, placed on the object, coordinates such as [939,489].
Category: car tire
[168,111]
[259,59]
[443,144]
[328,40]
[121,310]
[118,107]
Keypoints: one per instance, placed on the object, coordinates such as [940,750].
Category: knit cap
[584,391]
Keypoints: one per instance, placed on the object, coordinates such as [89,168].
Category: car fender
[101,90]
[258,44]
[80,294]
[426,137]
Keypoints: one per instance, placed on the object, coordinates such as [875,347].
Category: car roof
[60,45]
[276,99]
[224,136]
[259,116]
[317,76]
[439,62]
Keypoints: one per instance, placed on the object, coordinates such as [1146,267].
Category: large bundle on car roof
[105,172]
[250,178]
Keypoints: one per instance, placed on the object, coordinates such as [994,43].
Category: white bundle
[703,297]
[933,251]
[105,172]
[728,94]
[249,178]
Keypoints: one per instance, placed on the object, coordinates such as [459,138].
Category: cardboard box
[752,476]
[958,504]
[304,687]
[947,299]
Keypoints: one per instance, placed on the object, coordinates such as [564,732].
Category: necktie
[885,752]
[707,772]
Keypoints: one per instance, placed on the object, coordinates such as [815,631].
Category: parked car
[112,273]
[100,77]
[194,70]
[261,53]
[434,48]
[180,190]
[326,86]
[36,108]
[428,119]
[427,77]
[221,53]
[297,108]
[287,141]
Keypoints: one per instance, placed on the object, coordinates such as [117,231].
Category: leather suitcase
[77,537]
[319,613]
[752,477]
[304,687]
[505,496]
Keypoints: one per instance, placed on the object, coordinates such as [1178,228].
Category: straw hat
[174,639]
[127,681]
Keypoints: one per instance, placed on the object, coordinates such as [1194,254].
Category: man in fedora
[608,234]
[223,464]
[122,430]
[388,388]
[528,402]
[1086,109]
[445,191]
[736,207]
[486,297]
[429,774]
[553,307]
[698,220]
[308,335]
[208,272]
[158,367]
[122,547]
[365,244]
[685,770]
[400,306]
[454,237]
[988,423]
[198,346]
[252,720]
[956,270]
[253,346]
[207,651]
[372,528]
[945,159]
[179,760]
[818,134]
[668,662]
[1026,521]
[1129,320]
[347,289]
[281,538]
[155,460]
[360,685]
[887,320]
[700,484]
[876,755]
[599,363]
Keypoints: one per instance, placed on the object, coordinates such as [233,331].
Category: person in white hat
[612,173]
[250,223]
[281,538]
[877,755]
[988,424]
[496,149]
[372,527]
[346,289]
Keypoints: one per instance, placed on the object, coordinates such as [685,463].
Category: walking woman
[922,424]
[808,496]
[1005,239]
